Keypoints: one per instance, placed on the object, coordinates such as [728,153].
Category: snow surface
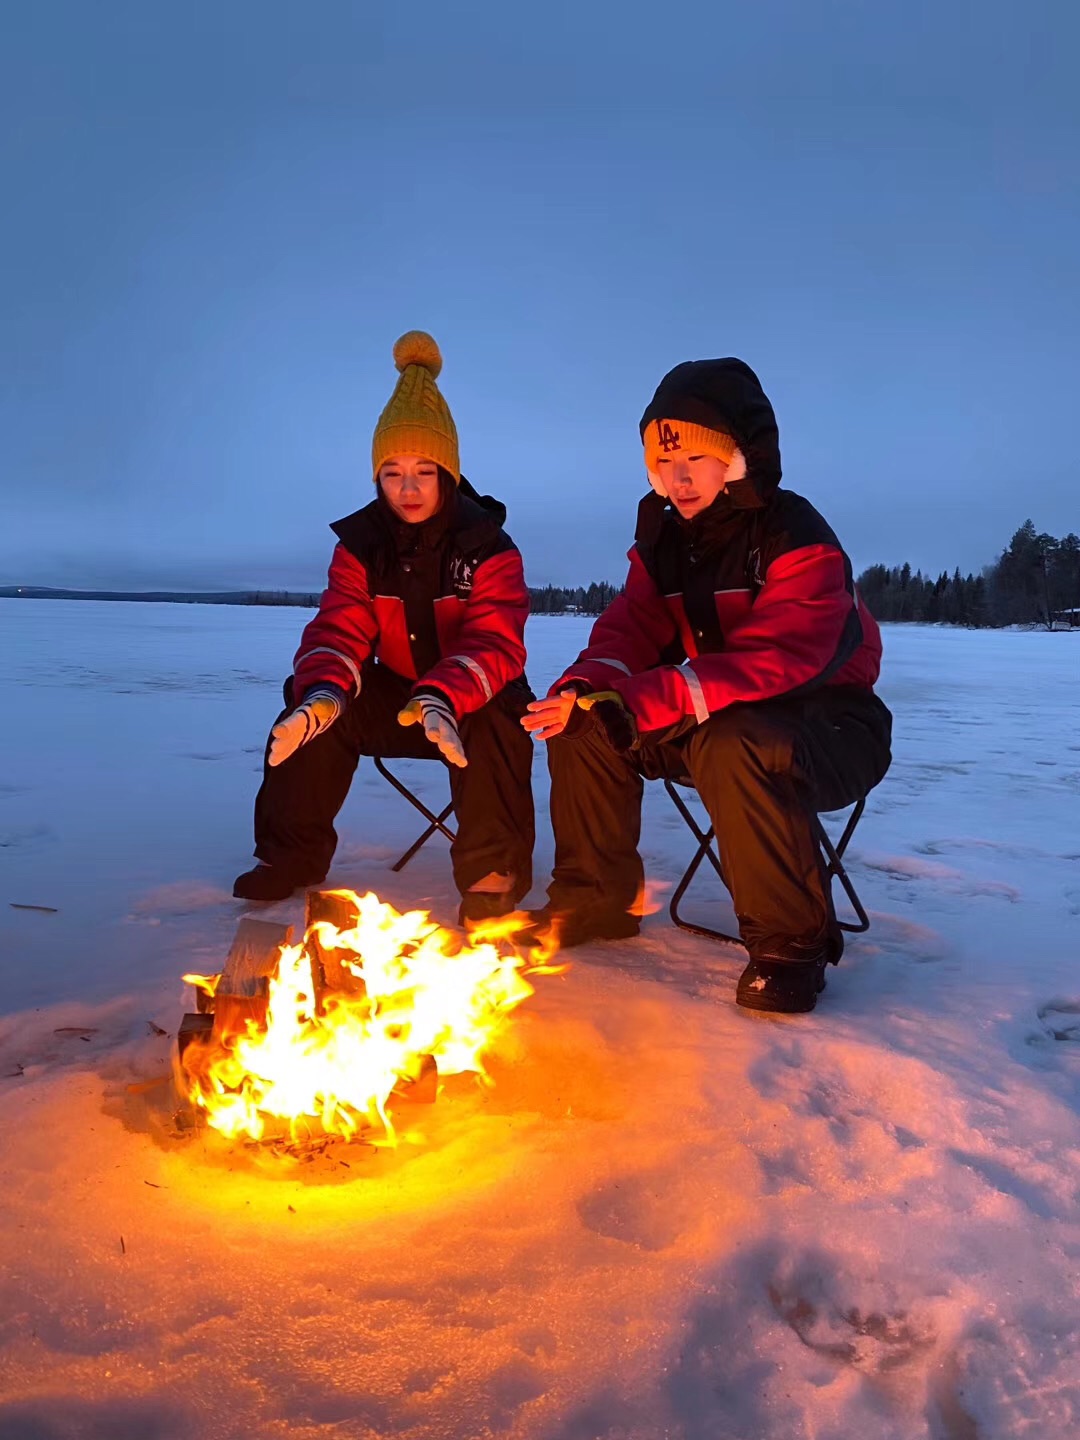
[669,1218]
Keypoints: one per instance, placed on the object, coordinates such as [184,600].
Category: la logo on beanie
[662,437]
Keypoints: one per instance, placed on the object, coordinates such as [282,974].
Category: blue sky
[218,218]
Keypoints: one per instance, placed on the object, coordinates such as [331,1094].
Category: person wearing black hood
[417,651]
[739,658]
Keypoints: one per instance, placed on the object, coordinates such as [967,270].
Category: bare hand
[544,719]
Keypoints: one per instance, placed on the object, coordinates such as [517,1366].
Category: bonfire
[371,1007]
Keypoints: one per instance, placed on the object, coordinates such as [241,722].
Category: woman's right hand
[544,719]
[322,706]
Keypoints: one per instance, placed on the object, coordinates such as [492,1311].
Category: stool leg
[704,851]
[835,868]
[421,840]
[435,822]
[849,828]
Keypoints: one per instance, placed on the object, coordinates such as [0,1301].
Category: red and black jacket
[442,603]
[751,600]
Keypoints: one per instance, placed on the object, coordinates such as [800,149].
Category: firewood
[243,992]
[329,973]
[194,1030]
[335,906]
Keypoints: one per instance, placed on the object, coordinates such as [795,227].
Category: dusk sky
[218,217]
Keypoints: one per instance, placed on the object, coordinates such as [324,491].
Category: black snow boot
[785,987]
[267,883]
[479,905]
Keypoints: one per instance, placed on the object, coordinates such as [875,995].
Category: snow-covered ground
[669,1218]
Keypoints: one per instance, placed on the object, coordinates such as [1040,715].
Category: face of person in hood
[410,484]
[691,482]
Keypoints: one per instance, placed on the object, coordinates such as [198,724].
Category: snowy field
[670,1218]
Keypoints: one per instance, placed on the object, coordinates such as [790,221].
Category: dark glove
[615,718]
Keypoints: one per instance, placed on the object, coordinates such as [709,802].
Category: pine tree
[1036,578]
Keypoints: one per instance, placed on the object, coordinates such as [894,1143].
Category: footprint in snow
[906,941]
[1060,1020]
[909,871]
[866,1340]
[638,1210]
[993,848]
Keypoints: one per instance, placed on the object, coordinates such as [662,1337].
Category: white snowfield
[669,1218]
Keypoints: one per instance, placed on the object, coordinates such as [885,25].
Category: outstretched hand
[434,713]
[320,709]
[544,719]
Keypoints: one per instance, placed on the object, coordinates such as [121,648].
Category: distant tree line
[580,599]
[171,597]
[1034,581]
[280,597]
[551,600]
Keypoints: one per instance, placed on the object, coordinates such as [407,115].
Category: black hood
[725,395]
[494,509]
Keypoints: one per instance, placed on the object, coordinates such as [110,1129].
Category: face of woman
[411,486]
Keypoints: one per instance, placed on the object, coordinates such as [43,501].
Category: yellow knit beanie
[417,420]
[671,437]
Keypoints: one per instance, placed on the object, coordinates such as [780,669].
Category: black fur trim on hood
[725,395]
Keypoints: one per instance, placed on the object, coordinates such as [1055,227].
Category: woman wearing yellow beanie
[417,651]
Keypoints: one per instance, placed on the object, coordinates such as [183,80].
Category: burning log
[329,972]
[194,1030]
[243,991]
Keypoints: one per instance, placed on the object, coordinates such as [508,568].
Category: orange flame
[336,1058]
[647,900]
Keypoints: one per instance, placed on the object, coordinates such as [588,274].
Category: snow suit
[438,606]
[748,661]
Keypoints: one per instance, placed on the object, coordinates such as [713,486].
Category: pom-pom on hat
[417,420]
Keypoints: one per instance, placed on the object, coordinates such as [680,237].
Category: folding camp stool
[834,868]
[435,822]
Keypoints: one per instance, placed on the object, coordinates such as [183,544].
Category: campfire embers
[326,1037]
